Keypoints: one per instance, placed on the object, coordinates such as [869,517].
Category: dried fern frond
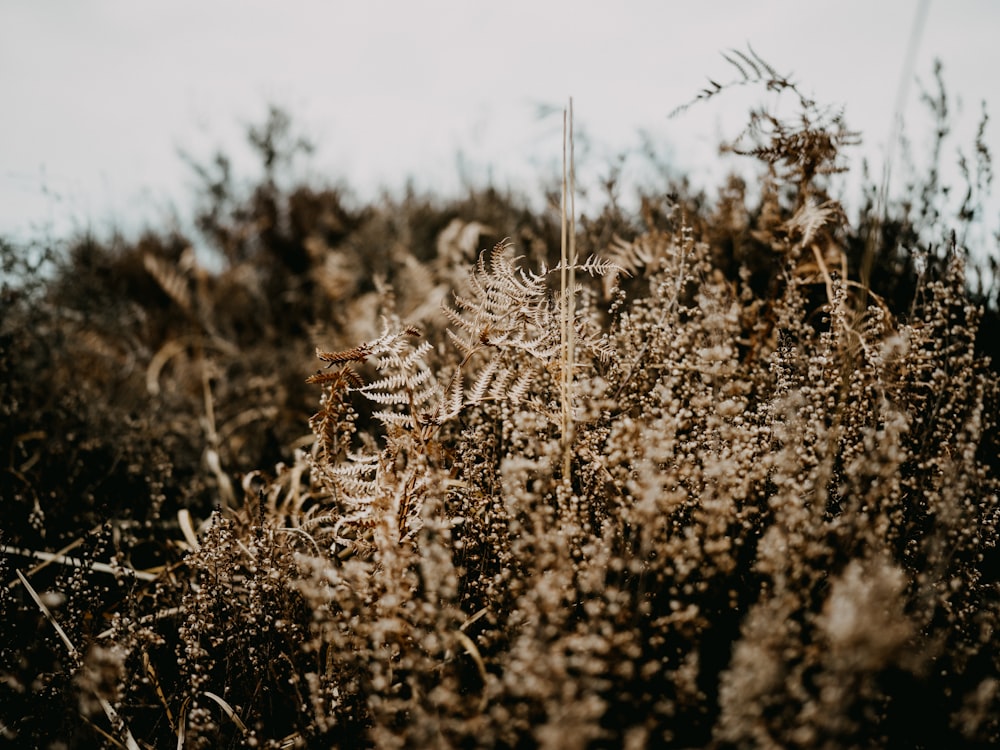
[520,387]
[507,306]
[642,255]
[508,315]
[489,374]
[457,243]
[398,388]
[454,398]
[753,69]
[597,266]
[810,218]
[406,381]
[356,354]
[345,377]
[172,281]
[802,147]
[394,418]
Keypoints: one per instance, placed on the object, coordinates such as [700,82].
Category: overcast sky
[99,96]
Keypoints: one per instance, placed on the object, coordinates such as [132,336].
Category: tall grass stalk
[567,279]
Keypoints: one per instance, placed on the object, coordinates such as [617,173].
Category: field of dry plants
[455,473]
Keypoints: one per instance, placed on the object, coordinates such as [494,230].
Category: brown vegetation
[777,528]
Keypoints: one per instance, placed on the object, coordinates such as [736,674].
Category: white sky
[97,97]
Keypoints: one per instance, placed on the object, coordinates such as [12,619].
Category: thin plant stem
[567,279]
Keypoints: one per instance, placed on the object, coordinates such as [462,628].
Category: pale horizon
[100,98]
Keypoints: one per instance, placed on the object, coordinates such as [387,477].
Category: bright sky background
[97,97]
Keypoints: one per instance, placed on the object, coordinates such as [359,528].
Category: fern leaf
[345,376]
[809,219]
[392,385]
[357,354]
[483,380]
[597,266]
[520,387]
[453,402]
[399,419]
[731,61]
[422,399]
[362,459]
[468,347]
[387,397]
[171,281]
[415,357]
